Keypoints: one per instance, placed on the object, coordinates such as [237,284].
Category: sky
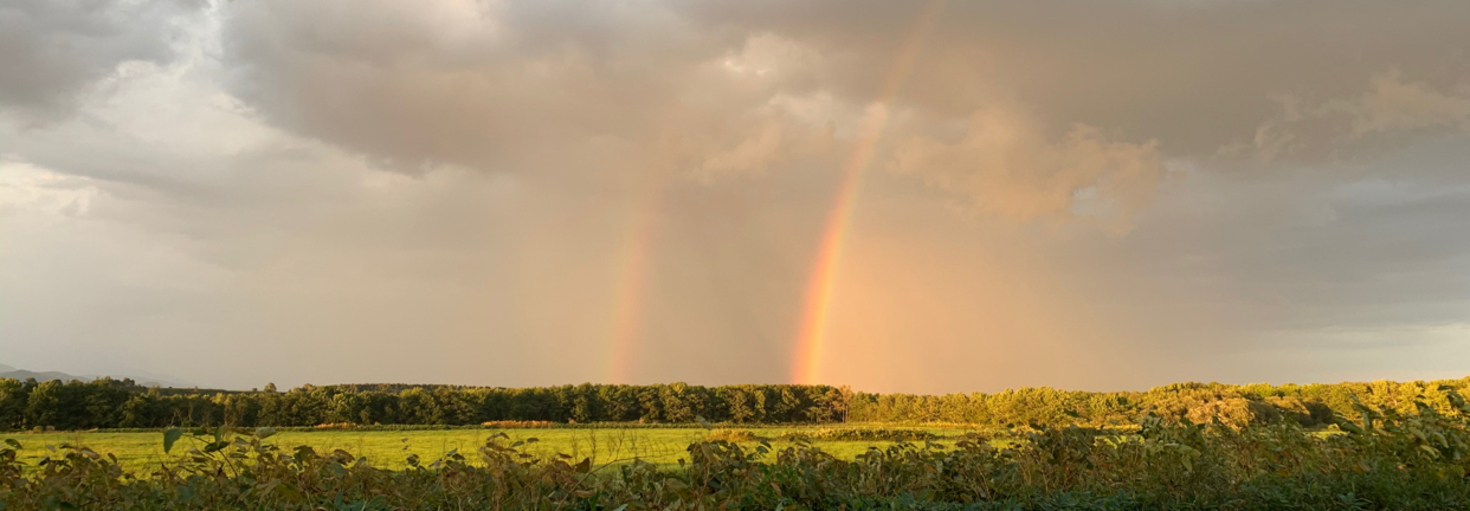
[923,197]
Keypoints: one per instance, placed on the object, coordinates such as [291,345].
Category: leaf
[170,436]
[264,433]
[11,442]
[703,422]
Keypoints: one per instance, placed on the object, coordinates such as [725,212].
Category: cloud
[53,50]
[547,89]
[1394,104]
[1193,75]
[518,87]
[710,90]
[26,189]
[179,222]
[1005,165]
[334,179]
[1393,111]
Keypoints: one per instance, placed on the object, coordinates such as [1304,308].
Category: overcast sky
[1079,194]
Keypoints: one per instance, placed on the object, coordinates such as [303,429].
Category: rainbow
[627,316]
[812,334]
[634,258]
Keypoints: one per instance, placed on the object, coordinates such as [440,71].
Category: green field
[139,452]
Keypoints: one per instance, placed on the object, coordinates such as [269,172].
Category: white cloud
[28,189]
[1392,110]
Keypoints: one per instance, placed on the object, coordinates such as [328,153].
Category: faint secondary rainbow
[634,260]
[812,336]
[634,257]
[629,296]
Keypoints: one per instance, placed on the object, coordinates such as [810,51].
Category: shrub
[336,425]
[519,424]
[732,435]
[860,435]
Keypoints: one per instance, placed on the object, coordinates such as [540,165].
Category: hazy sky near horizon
[1089,195]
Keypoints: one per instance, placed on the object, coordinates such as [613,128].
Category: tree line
[107,403]
[1307,405]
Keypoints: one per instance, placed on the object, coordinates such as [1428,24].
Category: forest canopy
[108,404]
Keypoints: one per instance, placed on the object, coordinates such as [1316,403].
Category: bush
[732,435]
[860,435]
[519,424]
[336,425]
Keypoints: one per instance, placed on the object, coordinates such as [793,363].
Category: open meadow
[140,452]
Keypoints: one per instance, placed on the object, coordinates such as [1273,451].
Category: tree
[14,395]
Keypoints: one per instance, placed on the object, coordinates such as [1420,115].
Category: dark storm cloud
[1194,74]
[50,50]
[500,87]
[1085,98]
[483,79]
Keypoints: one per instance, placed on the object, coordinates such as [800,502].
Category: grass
[141,452]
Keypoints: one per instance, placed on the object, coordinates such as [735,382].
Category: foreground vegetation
[1383,460]
[121,404]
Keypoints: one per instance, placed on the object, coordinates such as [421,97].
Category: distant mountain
[21,374]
